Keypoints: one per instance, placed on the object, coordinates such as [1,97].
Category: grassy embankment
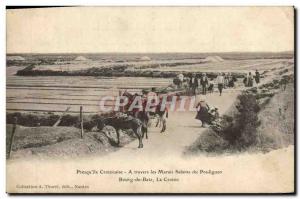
[36,136]
[262,119]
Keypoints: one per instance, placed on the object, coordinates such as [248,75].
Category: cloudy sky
[150,29]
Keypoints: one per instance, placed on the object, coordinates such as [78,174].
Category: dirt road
[182,130]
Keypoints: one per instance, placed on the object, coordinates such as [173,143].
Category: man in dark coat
[204,83]
[195,85]
[257,77]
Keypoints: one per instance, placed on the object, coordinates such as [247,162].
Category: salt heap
[145,58]
[15,58]
[213,59]
[81,58]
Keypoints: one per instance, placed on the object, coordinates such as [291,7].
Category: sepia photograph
[156,100]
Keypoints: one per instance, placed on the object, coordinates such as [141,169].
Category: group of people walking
[202,84]
[195,81]
[205,84]
[249,79]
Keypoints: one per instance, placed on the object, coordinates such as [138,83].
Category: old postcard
[150,100]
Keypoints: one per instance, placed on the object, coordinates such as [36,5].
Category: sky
[150,29]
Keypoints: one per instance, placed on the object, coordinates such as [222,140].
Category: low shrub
[283,71]
[31,119]
[34,120]
[239,130]
[264,95]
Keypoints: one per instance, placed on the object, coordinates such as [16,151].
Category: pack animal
[120,123]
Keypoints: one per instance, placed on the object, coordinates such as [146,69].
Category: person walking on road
[202,113]
[180,77]
[191,80]
[204,83]
[220,82]
[250,80]
[195,85]
[257,77]
[225,80]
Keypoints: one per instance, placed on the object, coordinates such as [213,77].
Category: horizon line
[287,51]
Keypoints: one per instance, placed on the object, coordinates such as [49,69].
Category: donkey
[162,115]
[124,123]
[142,115]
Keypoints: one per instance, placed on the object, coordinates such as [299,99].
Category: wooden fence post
[12,135]
[81,121]
[60,117]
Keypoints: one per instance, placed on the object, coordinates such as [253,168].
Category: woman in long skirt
[202,113]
